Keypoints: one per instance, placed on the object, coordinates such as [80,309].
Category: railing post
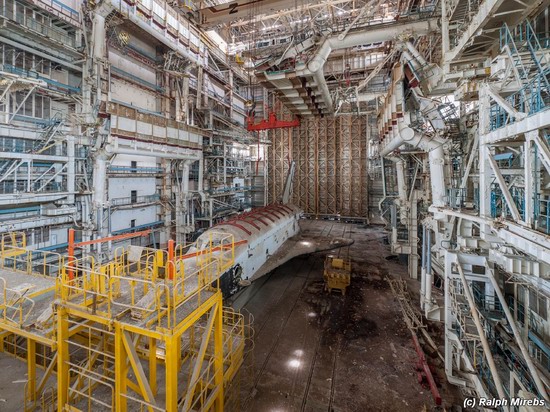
[70,250]
[170,263]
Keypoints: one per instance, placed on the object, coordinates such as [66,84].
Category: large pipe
[484,343]
[369,36]
[71,171]
[423,269]
[401,186]
[416,54]
[100,190]
[403,134]
[434,147]
[319,77]
[429,277]
[111,149]
[386,32]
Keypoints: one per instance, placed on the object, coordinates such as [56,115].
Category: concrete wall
[122,186]
[133,95]
[121,219]
[132,66]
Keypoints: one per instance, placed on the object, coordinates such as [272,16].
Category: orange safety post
[71,253]
[171,260]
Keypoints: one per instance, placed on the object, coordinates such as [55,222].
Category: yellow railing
[150,264]
[12,240]
[15,306]
[84,285]
[146,282]
[203,384]
[234,341]
[31,262]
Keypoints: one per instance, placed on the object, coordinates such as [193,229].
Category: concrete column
[185,100]
[99,33]
[71,179]
[166,97]
[200,87]
[201,175]
[99,195]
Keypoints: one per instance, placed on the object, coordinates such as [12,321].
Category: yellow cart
[337,273]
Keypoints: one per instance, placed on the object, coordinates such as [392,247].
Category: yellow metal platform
[145,331]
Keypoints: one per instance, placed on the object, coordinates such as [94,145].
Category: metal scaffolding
[331,165]
[146,330]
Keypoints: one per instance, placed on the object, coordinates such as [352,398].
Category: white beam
[486,10]
[505,105]
[504,188]
[544,151]
[32,156]
[536,121]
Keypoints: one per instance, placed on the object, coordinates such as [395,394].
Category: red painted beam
[274,210]
[259,219]
[247,221]
[270,123]
[288,209]
[426,369]
[264,214]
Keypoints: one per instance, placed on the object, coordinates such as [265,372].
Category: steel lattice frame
[330,156]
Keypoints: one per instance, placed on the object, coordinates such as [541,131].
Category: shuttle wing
[300,244]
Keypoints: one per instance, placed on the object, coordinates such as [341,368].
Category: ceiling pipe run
[368,35]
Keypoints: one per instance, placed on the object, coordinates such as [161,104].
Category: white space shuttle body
[265,238]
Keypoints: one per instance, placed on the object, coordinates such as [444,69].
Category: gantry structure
[451,99]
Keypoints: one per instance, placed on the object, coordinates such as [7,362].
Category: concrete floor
[13,378]
[319,352]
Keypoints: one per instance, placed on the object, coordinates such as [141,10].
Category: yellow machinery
[146,331]
[337,273]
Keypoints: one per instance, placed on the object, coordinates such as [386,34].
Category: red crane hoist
[270,123]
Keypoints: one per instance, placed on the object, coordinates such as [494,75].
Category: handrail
[144,286]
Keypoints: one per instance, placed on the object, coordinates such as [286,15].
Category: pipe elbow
[405,132]
[315,65]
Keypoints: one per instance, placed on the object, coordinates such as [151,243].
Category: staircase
[47,140]
[528,59]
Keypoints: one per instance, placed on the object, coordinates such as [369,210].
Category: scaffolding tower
[144,331]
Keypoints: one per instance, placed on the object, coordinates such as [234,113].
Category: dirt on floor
[316,351]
